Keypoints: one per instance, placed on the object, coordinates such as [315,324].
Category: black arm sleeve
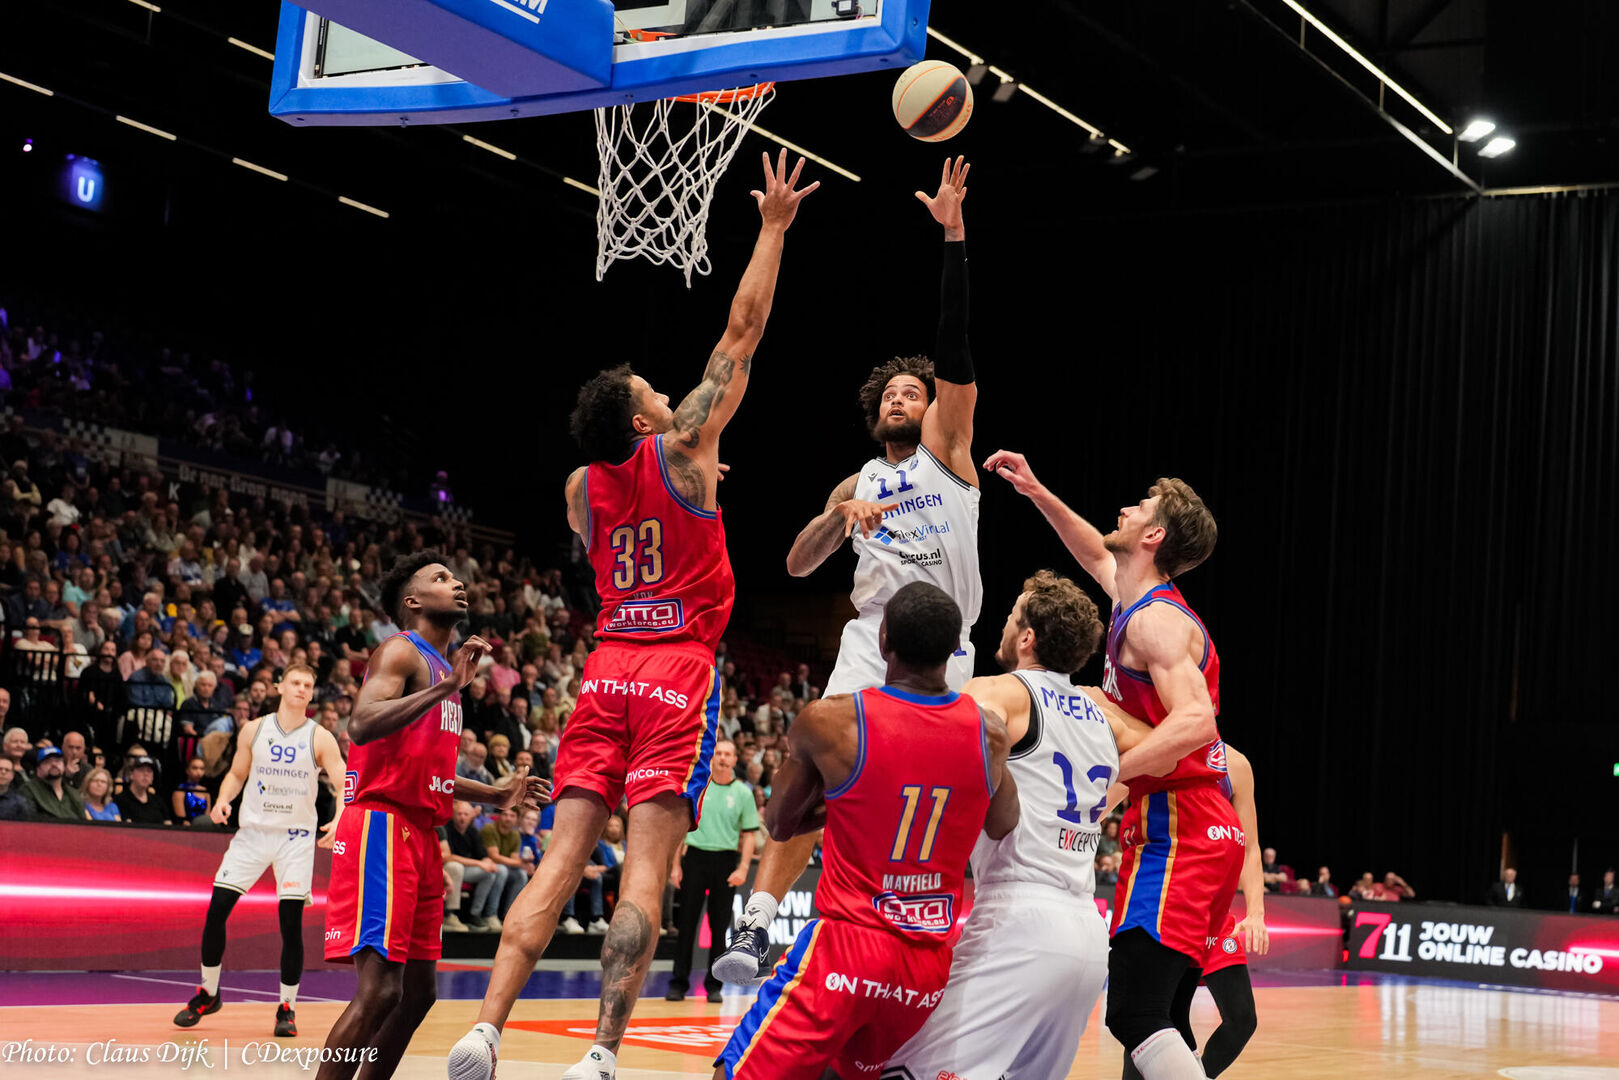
[952,360]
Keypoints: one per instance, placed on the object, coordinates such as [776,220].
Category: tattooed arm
[692,448]
[578,503]
[825,534]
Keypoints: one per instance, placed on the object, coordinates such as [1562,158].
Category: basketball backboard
[368,62]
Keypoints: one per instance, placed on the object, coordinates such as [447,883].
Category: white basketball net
[659,166]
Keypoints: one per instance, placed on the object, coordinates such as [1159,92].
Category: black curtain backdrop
[1406,417]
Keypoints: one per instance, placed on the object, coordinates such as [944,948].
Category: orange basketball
[932,101]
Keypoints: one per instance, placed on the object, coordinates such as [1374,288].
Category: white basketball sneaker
[473,1058]
[600,1064]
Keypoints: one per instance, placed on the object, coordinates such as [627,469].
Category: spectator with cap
[48,793]
[138,804]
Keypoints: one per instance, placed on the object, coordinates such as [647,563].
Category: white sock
[760,912]
[210,978]
[289,994]
[1164,1055]
[490,1032]
[601,1057]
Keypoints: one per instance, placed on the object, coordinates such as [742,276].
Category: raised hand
[1015,468]
[867,515]
[465,667]
[778,202]
[946,205]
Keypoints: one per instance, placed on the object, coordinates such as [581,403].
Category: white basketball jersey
[1063,768]
[281,783]
[931,535]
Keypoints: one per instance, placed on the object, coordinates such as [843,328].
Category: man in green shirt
[502,839]
[710,862]
[49,796]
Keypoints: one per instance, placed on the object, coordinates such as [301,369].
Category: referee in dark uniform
[710,862]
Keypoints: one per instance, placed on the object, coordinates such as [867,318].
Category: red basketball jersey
[412,769]
[900,828]
[1135,694]
[662,570]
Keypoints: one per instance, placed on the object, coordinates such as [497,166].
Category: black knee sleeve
[291,913]
[213,927]
[1143,979]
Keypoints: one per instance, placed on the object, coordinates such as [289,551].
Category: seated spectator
[1323,884]
[548,728]
[10,780]
[460,843]
[1275,877]
[1506,892]
[613,840]
[499,764]
[504,673]
[138,803]
[134,658]
[502,841]
[31,640]
[1392,888]
[49,795]
[74,758]
[15,746]
[1107,869]
[1363,886]
[190,799]
[530,840]
[149,688]
[28,604]
[1108,844]
[241,711]
[96,793]
[513,723]
[181,674]
[470,764]
[595,870]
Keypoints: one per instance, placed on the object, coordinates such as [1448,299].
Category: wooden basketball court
[1329,1026]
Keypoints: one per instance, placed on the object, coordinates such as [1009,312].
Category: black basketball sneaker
[201,1004]
[286,1021]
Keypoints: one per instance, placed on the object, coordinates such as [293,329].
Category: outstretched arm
[1080,537]
[578,505]
[703,415]
[947,427]
[1162,636]
[826,533]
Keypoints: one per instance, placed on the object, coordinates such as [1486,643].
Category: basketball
[932,101]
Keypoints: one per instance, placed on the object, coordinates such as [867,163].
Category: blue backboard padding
[737,59]
[500,45]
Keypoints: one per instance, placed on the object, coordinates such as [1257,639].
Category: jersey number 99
[639,549]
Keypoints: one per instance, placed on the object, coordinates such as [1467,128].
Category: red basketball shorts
[1226,949]
[646,722]
[1183,853]
[843,996]
[387,887]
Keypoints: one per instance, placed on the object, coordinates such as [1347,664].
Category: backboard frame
[893,38]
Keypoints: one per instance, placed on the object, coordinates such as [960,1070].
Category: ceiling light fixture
[1476,130]
[26,85]
[148,128]
[254,49]
[260,169]
[491,147]
[1497,146]
[358,205]
[1355,55]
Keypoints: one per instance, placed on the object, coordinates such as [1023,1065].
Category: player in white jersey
[912,515]
[278,759]
[1033,957]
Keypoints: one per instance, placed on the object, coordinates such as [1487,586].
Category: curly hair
[1067,627]
[1189,528]
[396,582]
[924,624]
[601,417]
[871,394]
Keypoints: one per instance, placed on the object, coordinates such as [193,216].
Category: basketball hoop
[658,171]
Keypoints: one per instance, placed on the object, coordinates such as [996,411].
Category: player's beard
[907,432]
[1115,543]
[1006,655]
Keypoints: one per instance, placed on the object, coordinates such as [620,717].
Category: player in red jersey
[903,778]
[648,707]
[1224,968]
[385,899]
[1182,843]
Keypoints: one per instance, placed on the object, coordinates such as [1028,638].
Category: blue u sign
[86,187]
